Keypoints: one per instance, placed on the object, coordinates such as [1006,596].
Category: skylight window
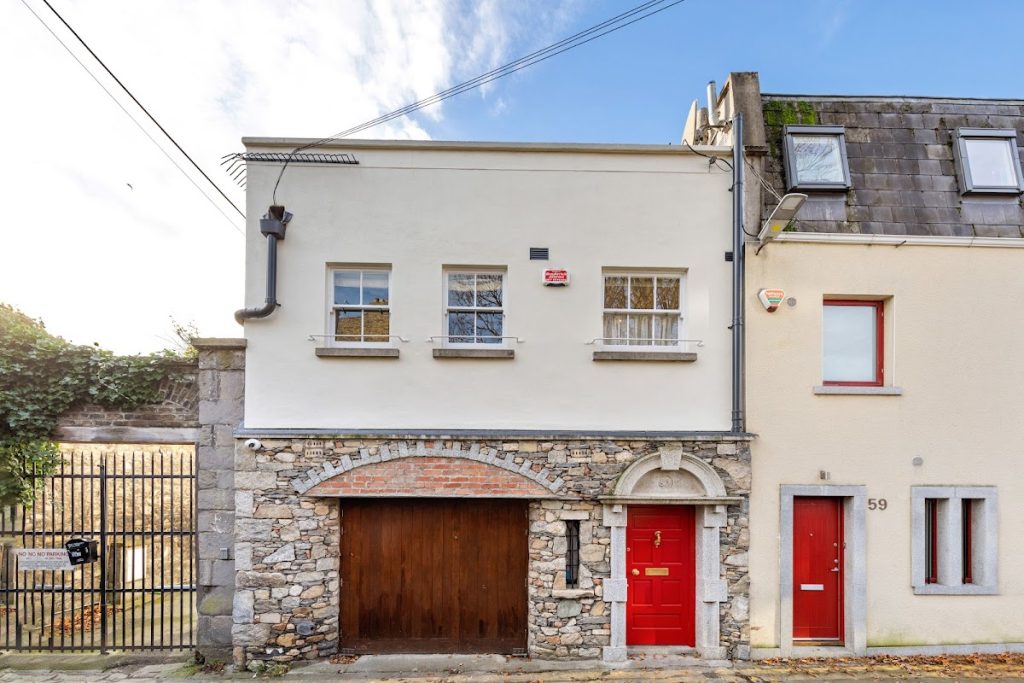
[816,158]
[988,161]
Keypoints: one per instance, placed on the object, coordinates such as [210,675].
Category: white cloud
[831,19]
[101,261]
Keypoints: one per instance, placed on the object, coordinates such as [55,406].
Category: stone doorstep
[500,664]
[166,667]
[490,669]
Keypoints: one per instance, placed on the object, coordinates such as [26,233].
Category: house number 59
[877,503]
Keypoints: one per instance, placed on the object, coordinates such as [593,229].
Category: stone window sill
[962,589]
[858,391]
[648,356]
[572,593]
[355,352]
[475,353]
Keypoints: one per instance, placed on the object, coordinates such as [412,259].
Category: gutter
[467,146]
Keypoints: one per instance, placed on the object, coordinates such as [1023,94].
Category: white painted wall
[422,206]
[954,336]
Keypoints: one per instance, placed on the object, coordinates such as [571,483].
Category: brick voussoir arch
[387,452]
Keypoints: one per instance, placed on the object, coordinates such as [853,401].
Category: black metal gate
[138,503]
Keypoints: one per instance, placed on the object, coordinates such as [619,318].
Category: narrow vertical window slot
[931,540]
[967,540]
[572,554]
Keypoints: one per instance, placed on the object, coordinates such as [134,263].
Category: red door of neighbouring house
[661,574]
[818,569]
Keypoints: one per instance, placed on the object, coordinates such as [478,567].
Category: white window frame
[446,309]
[655,274]
[333,308]
[789,155]
[963,161]
[985,539]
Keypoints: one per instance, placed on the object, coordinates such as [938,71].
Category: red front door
[661,574]
[818,568]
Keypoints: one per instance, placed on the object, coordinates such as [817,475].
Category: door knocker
[657,539]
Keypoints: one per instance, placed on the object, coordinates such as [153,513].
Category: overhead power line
[620,21]
[140,105]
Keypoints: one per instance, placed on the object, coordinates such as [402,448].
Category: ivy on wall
[43,376]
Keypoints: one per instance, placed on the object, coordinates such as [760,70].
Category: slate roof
[900,150]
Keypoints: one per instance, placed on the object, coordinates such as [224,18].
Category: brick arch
[430,477]
[484,461]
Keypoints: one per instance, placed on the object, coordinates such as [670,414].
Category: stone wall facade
[572,623]
[288,519]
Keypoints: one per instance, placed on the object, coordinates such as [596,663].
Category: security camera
[254,444]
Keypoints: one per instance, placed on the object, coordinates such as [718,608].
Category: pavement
[16,668]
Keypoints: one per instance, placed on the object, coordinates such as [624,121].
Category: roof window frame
[789,158]
[963,163]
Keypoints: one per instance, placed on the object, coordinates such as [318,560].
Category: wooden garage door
[438,575]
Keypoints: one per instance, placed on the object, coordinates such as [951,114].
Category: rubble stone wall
[287,581]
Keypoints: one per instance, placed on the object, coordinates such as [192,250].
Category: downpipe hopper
[272,226]
[275,222]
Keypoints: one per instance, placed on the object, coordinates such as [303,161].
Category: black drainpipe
[273,226]
[738,418]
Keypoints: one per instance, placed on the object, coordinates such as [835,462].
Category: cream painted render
[954,331]
[421,207]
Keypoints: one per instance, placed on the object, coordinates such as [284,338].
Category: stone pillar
[712,590]
[614,516]
[221,394]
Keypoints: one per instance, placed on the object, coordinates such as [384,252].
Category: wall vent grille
[539,254]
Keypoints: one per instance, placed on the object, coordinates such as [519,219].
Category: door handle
[635,572]
[834,569]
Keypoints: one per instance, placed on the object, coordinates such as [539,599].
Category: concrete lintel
[154,435]
[670,500]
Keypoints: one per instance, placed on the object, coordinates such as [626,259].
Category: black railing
[138,504]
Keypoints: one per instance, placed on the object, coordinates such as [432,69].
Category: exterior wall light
[780,217]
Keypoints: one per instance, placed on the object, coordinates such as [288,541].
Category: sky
[107,241]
